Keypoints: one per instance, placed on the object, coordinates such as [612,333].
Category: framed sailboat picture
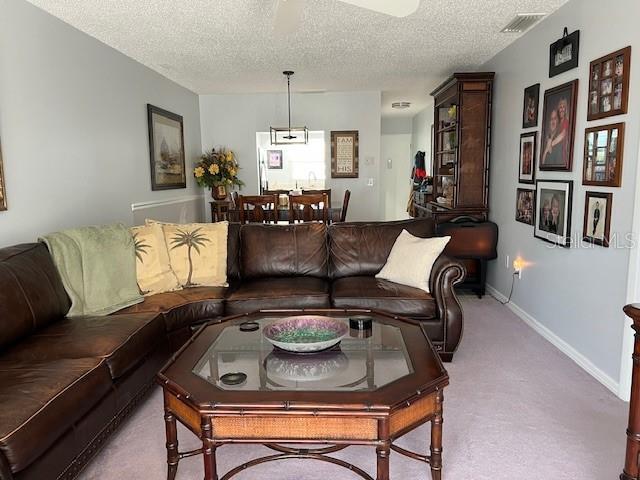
[166,149]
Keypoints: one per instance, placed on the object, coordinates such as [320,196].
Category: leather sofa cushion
[233,252]
[31,291]
[123,341]
[183,307]
[362,248]
[278,293]
[41,400]
[378,294]
[283,250]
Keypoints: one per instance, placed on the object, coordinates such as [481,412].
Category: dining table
[283,214]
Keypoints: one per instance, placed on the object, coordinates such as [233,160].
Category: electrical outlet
[518,267]
[507,263]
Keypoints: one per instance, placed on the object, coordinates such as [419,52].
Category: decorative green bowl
[305,333]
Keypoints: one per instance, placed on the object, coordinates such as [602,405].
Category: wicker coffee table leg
[436,439]
[172,445]
[208,451]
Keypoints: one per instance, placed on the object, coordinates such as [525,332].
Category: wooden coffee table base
[272,427]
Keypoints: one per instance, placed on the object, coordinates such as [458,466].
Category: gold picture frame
[3,190]
[344,154]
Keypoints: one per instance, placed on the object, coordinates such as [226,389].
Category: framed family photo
[609,85]
[563,53]
[527,170]
[525,205]
[558,127]
[530,107]
[166,149]
[274,159]
[597,218]
[553,216]
[603,155]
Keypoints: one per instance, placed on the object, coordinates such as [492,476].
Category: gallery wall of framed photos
[548,144]
[570,292]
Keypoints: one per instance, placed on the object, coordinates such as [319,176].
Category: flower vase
[219,192]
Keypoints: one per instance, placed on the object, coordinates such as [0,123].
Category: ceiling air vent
[523,22]
[400,105]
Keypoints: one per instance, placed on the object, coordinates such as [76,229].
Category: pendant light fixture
[289,135]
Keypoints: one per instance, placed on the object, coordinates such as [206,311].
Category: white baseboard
[560,344]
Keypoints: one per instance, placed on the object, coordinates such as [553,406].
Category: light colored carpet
[516,408]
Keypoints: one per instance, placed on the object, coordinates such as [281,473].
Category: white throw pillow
[411,260]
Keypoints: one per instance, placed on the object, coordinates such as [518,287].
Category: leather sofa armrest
[5,469]
[445,274]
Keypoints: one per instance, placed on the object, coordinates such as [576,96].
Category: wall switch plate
[389,163]
[370,182]
[507,264]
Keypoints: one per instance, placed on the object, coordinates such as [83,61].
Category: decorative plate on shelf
[305,333]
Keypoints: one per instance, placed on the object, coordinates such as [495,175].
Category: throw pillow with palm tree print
[153,268]
[198,253]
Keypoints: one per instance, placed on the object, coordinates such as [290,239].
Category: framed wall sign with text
[344,154]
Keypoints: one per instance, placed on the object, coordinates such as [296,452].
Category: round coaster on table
[235,378]
[249,326]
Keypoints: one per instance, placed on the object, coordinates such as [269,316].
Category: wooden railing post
[632,458]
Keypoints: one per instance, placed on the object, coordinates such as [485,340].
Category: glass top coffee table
[229,384]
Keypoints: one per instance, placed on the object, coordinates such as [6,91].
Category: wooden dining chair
[326,190]
[234,211]
[309,208]
[345,205]
[258,208]
[275,192]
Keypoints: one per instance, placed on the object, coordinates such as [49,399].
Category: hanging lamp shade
[289,135]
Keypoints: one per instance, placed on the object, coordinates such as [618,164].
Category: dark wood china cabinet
[462,140]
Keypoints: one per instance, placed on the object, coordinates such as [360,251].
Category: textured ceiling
[231,46]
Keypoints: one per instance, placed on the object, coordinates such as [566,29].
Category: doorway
[292,167]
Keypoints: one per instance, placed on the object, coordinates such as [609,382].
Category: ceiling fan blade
[395,8]
[288,16]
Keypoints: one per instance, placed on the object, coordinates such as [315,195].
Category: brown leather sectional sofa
[65,384]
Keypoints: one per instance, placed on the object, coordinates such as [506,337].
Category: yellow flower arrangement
[217,168]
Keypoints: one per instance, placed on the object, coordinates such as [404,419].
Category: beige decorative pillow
[411,260]
[197,252]
[152,261]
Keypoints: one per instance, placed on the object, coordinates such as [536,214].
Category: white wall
[395,166]
[233,120]
[575,294]
[73,126]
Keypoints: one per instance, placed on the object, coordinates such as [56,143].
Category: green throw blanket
[97,266]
